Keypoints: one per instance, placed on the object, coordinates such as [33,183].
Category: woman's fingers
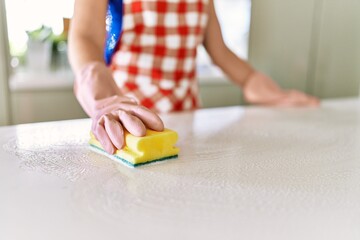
[302,99]
[114,130]
[313,101]
[102,136]
[114,123]
[149,118]
[131,123]
[261,89]
[295,98]
[115,114]
[109,129]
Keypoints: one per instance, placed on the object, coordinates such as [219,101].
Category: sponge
[153,147]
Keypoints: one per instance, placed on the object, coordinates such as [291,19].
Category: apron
[155,59]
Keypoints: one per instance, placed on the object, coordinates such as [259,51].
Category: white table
[242,173]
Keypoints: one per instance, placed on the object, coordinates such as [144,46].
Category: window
[234,18]
[28,15]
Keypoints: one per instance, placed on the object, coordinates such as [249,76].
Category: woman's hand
[262,90]
[116,114]
[94,86]
[111,113]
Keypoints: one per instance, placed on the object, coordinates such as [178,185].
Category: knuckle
[121,113]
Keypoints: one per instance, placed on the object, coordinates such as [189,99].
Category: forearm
[82,51]
[235,68]
[93,79]
[87,33]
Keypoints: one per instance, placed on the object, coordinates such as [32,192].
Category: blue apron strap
[114,18]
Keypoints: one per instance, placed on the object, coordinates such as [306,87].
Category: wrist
[94,83]
[89,70]
[250,76]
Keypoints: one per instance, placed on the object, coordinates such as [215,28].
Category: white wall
[280,40]
[336,70]
[4,68]
[311,45]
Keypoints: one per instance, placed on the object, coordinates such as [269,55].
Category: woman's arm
[234,67]
[94,85]
[257,87]
[87,33]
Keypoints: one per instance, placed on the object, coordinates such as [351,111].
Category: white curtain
[4,69]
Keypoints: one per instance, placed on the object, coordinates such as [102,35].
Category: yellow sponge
[153,147]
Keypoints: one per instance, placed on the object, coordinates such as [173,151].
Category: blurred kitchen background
[310,45]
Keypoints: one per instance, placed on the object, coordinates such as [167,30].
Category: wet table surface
[242,173]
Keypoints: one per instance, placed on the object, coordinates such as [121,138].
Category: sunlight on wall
[27,15]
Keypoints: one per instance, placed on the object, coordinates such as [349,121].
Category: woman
[153,67]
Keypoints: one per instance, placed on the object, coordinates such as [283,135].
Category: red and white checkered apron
[156,57]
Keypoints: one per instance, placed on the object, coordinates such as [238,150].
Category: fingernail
[110,149]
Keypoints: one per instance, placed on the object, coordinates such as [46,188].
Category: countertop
[242,173]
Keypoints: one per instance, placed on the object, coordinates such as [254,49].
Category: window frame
[4,68]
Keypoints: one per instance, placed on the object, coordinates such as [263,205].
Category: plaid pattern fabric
[155,58]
